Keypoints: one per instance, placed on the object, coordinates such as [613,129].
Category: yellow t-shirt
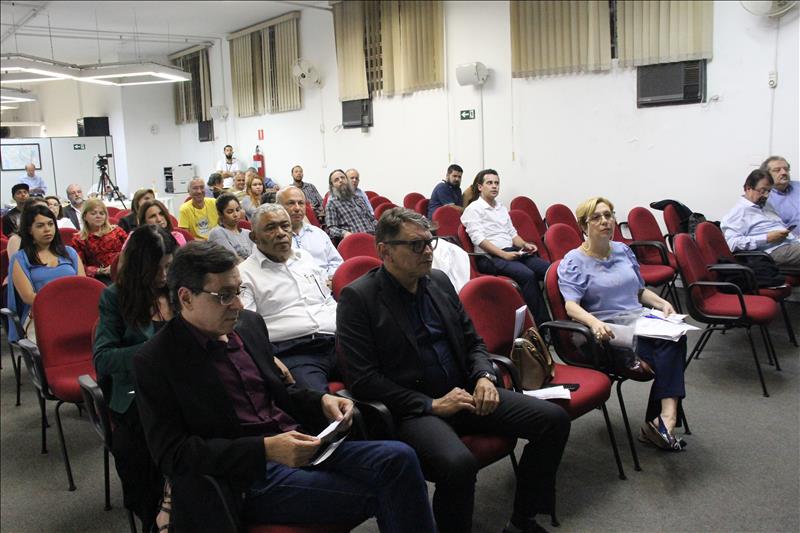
[199,222]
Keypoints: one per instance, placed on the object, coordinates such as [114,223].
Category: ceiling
[92,32]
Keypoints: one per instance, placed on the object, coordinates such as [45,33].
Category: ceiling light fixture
[19,68]
[126,74]
[12,96]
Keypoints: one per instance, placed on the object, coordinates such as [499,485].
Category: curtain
[193,98]
[287,92]
[348,24]
[421,49]
[242,76]
[555,37]
[651,32]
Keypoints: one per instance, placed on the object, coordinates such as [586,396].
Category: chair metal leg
[514,464]
[636,465]
[771,354]
[613,443]
[64,446]
[788,323]
[131,522]
[758,365]
[44,421]
[682,419]
[699,345]
[106,480]
[674,294]
[16,365]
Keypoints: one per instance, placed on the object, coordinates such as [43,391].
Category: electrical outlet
[773,79]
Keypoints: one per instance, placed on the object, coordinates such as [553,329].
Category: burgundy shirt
[240,377]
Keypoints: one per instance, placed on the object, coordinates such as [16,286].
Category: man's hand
[454,401]
[286,375]
[529,248]
[777,235]
[509,256]
[486,397]
[337,408]
[292,448]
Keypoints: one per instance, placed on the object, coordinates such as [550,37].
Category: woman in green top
[131,311]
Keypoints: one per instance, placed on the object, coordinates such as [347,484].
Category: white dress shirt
[484,222]
[317,243]
[453,261]
[292,297]
[747,224]
[234,166]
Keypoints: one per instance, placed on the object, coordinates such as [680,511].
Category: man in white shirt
[229,166]
[288,289]
[489,227]
[37,185]
[785,196]
[306,236]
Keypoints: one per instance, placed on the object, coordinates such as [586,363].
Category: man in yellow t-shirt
[198,215]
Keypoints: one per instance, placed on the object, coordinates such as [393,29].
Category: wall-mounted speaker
[93,127]
[472,73]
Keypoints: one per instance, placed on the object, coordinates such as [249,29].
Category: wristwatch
[488,375]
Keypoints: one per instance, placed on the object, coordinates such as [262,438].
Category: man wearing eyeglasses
[290,292]
[214,402]
[409,343]
[749,226]
[785,196]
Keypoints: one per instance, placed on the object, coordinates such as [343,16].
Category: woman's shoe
[659,436]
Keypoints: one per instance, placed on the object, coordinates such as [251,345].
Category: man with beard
[748,226]
[447,192]
[346,212]
[311,193]
[229,166]
[785,196]
[355,178]
[73,210]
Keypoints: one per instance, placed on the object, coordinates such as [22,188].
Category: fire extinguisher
[258,161]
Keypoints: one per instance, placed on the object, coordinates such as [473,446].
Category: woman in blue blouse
[42,257]
[601,280]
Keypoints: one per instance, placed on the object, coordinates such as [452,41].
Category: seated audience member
[228,233]
[748,226]
[239,186]
[214,185]
[447,192]
[199,214]
[14,239]
[99,243]
[212,402]
[472,193]
[42,257]
[355,179]
[600,281]
[252,198]
[73,210]
[156,213]
[346,212]
[453,261]
[36,184]
[785,196]
[20,193]
[489,227]
[131,221]
[291,294]
[54,203]
[306,236]
[409,343]
[131,311]
[311,193]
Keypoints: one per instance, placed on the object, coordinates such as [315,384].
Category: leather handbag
[532,358]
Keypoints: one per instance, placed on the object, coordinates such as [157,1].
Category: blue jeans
[361,479]
[526,271]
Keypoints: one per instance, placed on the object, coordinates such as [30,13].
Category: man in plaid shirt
[346,213]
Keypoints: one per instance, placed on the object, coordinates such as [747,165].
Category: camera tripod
[105,184]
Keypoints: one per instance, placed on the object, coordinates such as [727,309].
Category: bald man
[37,185]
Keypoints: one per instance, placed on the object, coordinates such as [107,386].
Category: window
[193,98]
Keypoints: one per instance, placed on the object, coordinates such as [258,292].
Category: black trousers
[448,462]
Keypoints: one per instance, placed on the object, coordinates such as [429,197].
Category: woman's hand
[667,308]
[602,331]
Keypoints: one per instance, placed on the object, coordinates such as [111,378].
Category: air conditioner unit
[671,83]
[357,114]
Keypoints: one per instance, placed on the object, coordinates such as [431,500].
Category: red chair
[121,213]
[720,311]
[382,208]
[185,232]
[410,200]
[112,211]
[713,247]
[526,229]
[492,304]
[325,199]
[64,314]
[375,201]
[351,270]
[422,207]
[561,214]
[560,239]
[174,221]
[312,216]
[358,244]
[466,244]
[67,234]
[673,223]
[447,219]
[523,203]
[245,224]
[371,194]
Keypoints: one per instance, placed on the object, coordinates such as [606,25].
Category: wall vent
[671,83]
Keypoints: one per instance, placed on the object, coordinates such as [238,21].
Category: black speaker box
[93,127]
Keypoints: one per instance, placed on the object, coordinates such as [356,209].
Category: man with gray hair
[346,212]
[37,185]
[290,292]
[784,198]
[73,210]
[355,180]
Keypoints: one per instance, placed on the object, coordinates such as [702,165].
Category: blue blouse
[39,276]
[601,286]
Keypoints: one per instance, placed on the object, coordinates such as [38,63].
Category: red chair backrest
[644,227]
[561,214]
[67,234]
[174,221]
[371,194]
[466,244]
[560,239]
[447,219]
[112,211]
[375,201]
[618,236]
[527,230]
[122,213]
[244,224]
[672,220]
[422,207]
[523,203]
[491,303]
[325,199]
[410,200]
[351,270]
[312,216]
[382,208]
[711,243]
[555,301]
[358,244]
[693,266]
[185,232]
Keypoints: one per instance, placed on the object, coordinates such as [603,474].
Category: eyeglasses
[608,215]
[224,297]
[764,191]
[418,246]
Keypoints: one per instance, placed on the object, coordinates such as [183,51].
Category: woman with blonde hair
[99,243]
[253,191]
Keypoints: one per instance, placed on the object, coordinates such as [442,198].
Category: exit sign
[467,114]
[79,147]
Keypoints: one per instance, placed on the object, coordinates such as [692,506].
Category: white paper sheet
[519,320]
[550,393]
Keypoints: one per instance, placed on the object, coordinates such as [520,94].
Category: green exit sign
[467,114]
[79,147]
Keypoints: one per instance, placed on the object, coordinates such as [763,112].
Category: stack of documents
[654,324]
[550,393]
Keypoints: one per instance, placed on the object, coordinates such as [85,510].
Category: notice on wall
[467,114]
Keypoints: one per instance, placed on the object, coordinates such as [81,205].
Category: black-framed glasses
[418,246]
[224,297]
[608,215]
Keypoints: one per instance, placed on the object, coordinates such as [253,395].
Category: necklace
[587,251]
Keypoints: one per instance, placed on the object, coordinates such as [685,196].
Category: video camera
[102,160]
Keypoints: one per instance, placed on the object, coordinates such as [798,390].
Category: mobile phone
[791,228]
[572,387]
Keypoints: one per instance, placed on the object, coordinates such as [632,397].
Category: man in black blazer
[213,402]
[408,343]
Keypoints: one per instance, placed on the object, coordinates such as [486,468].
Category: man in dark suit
[212,402]
[409,344]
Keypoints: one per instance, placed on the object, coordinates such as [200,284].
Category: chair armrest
[378,420]
[33,362]
[719,284]
[14,317]
[753,253]
[501,362]
[554,326]
[660,246]
[732,268]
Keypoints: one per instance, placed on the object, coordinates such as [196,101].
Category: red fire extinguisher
[258,161]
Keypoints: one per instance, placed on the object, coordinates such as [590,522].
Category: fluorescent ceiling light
[25,69]
[132,74]
[9,96]
[7,107]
